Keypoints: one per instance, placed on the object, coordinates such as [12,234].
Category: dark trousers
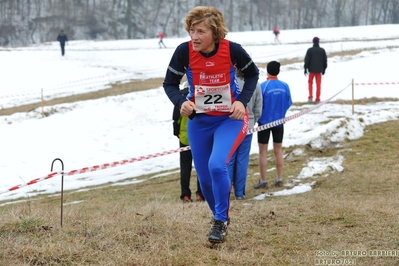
[62,48]
[186,160]
[161,42]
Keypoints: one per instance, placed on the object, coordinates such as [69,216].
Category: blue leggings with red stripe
[213,140]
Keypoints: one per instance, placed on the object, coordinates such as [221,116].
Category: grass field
[349,217]
[146,224]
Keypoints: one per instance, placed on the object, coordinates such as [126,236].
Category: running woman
[215,104]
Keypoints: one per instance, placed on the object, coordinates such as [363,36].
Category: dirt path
[116,89]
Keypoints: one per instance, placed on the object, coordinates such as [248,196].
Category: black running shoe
[218,232]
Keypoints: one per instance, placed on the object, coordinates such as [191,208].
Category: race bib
[213,98]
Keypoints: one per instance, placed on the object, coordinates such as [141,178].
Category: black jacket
[62,38]
[316,59]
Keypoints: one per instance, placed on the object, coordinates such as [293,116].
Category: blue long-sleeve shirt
[276,100]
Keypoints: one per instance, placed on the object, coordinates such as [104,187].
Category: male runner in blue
[276,101]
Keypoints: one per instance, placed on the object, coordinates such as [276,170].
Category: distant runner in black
[62,38]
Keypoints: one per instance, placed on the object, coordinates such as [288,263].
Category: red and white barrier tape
[95,168]
[291,117]
[100,80]
[19,95]
[150,156]
[30,92]
[375,83]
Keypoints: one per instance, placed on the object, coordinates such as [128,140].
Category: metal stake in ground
[62,185]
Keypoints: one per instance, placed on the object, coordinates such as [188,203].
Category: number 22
[217,98]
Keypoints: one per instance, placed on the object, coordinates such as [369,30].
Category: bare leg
[278,154]
[263,160]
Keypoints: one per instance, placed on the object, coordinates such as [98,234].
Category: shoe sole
[217,240]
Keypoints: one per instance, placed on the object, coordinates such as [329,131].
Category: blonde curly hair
[211,16]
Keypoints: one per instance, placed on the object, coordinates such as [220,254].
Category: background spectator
[239,161]
[315,66]
[186,158]
[62,38]
[276,33]
[161,35]
[276,101]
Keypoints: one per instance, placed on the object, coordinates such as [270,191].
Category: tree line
[24,22]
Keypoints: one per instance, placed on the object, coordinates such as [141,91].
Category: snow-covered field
[95,132]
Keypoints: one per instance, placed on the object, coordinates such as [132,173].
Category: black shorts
[277,132]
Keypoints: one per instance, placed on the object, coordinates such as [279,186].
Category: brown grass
[146,224]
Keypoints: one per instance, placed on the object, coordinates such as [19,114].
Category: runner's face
[202,38]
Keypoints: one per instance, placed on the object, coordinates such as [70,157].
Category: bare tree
[129,18]
[230,16]
[395,11]
[33,21]
[168,16]
[338,7]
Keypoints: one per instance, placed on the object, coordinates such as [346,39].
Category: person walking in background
[62,38]
[276,101]
[315,66]
[238,165]
[276,33]
[161,35]
[215,105]
[186,158]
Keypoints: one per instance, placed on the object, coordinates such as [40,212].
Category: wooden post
[353,97]
[42,105]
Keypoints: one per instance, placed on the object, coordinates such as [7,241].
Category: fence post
[42,105]
[62,186]
[353,97]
